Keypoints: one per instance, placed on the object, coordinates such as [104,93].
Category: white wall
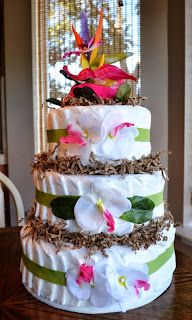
[154,66]
[19,97]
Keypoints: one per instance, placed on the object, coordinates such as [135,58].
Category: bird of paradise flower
[98,77]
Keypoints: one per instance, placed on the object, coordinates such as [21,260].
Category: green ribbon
[53,276]
[54,135]
[143,136]
[157,263]
[46,198]
[58,277]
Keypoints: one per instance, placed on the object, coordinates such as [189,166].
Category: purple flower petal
[84,28]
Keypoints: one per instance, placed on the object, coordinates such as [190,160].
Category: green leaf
[141,211]
[137,215]
[142,203]
[54,101]
[63,207]
[112,58]
[123,92]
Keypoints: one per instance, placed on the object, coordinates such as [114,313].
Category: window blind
[121,33]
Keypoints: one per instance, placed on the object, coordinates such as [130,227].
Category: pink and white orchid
[79,289]
[100,210]
[125,282]
[85,274]
[88,282]
[118,137]
[102,282]
[74,136]
[83,134]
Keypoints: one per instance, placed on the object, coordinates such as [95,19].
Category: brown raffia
[142,236]
[72,165]
[81,101]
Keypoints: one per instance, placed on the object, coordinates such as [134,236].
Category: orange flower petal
[78,39]
[97,38]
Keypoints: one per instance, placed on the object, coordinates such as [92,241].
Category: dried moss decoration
[141,237]
[82,101]
[73,166]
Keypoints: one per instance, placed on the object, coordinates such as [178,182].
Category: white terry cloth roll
[78,185]
[137,115]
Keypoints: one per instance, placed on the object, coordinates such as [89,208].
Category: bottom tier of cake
[122,280]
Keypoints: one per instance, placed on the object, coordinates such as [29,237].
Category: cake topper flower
[104,81]
[85,43]
[98,79]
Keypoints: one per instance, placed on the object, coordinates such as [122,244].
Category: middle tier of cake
[96,203]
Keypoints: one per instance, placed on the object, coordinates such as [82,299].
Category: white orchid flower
[100,210]
[84,133]
[100,297]
[78,281]
[84,283]
[125,282]
[118,136]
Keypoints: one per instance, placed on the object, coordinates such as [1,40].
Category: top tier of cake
[110,132]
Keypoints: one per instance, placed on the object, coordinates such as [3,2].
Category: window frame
[185,231]
[39,73]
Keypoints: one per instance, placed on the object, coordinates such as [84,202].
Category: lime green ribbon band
[53,276]
[58,277]
[54,135]
[143,136]
[46,198]
[157,263]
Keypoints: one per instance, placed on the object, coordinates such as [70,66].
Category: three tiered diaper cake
[99,238]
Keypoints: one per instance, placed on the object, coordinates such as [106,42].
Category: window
[53,36]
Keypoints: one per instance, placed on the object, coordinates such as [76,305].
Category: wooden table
[17,303]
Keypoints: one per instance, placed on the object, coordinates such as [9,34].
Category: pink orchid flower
[110,221]
[73,137]
[119,127]
[85,274]
[104,81]
[99,90]
[103,73]
[139,284]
